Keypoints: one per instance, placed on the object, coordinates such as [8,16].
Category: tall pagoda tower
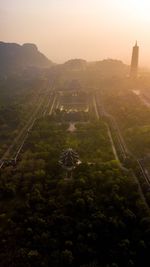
[134,62]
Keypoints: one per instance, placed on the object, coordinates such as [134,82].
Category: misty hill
[109,67]
[15,58]
[105,68]
[75,64]
[87,73]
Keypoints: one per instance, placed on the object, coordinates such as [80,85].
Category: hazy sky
[89,29]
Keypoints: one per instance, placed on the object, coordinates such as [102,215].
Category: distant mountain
[15,58]
[105,68]
[109,67]
[75,64]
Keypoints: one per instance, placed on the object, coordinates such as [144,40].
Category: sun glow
[89,29]
[138,9]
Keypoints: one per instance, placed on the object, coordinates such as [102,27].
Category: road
[95,107]
[99,113]
[145,99]
[112,144]
[125,152]
[44,103]
[53,104]
[143,171]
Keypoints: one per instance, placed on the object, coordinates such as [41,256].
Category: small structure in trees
[69,159]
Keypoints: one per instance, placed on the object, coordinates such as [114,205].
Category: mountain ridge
[16,58]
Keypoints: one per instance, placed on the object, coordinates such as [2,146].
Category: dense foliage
[49,221]
[18,98]
[89,139]
[133,118]
[95,219]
